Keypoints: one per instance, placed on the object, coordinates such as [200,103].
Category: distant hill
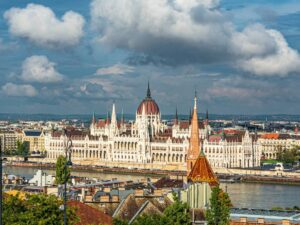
[86,117]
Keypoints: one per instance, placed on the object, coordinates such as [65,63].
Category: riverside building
[149,143]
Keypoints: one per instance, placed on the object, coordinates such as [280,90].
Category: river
[243,195]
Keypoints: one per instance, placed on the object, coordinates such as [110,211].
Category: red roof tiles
[202,172]
[90,215]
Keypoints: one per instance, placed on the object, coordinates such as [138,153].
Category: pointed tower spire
[113,114]
[190,117]
[93,118]
[148,91]
[194,146]
[176,117]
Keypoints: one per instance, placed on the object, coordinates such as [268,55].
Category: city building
[8,141]
[35,139]
[272,143]
[150,143]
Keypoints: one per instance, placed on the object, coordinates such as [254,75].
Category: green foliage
[288,155]
[22,148]
[269,161]
[149,220]
[35,210]
[277,208]
[175,214]
[117,221]
[219,211]
[296,207]
[61,176]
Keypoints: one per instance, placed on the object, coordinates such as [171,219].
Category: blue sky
[79,56]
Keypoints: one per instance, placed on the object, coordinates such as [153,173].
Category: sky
[78,57]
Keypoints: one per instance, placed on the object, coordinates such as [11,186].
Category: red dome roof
[150,105]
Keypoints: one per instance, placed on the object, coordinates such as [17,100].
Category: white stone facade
[148,142]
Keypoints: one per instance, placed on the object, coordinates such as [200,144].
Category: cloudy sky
[242,57]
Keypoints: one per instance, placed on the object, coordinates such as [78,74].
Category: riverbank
[102,169]
[226,178]
[271,180]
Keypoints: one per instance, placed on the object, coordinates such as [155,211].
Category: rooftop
[90,215]
[34,133]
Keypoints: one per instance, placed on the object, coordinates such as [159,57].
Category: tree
[288,155]
[219,211]
[22,148]
[149,220]
[117,221]
[61,176]
[38,209]
[177,213]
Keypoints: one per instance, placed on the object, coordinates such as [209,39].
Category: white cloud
[191,31]
[39,24]
[24,90]
[38,68]
[284,61]
[117,69]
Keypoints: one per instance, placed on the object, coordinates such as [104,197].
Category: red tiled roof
[202,172]
[166,182]
[270,136]
[101,123]
[185,124]
[90,215]
[215,138]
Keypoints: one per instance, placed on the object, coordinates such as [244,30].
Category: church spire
[148,91]
[194,146]
[93,118]
[113,114]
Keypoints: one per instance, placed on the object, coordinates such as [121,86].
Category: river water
[243,195]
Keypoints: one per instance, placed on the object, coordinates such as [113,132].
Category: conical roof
[202,172]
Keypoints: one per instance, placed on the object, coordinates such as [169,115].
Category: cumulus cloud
[284,61]
[39,24]
[38,68]
[193,31]
[117,69]
[25,90]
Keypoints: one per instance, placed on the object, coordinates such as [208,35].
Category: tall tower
[194,146]
[113,122]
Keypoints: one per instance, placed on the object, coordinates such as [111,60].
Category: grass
[270,161]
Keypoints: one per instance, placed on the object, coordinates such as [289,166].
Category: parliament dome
[149,103]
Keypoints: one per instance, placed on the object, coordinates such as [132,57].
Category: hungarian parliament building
[150,143]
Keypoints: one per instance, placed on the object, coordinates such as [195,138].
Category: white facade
[149,141]
[243,152]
